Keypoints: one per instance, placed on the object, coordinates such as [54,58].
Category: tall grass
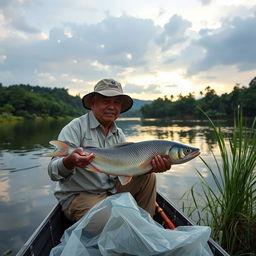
[229,205]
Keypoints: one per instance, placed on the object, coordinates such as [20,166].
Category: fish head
[180,153]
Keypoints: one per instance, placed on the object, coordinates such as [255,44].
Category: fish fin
[92,168]
[61,148]
[122,144]
[124,179]
[146,164]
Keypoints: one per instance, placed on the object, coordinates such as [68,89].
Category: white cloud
[99,65]
[46,77]
[233,44]
[149,45]
[205,2]
[175,32]
[14,15]
[2,58]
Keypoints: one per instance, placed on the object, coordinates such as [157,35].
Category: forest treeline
[28,101]
[34,101]
[187,107]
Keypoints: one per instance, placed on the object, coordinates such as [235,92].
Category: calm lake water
[26,192]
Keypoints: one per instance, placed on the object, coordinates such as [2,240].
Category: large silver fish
[129,159]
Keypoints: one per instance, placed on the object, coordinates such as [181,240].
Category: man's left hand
[160,164]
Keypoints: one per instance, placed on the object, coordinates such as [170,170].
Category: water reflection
[196,133]
[25,197]
[29,135]
[26,192]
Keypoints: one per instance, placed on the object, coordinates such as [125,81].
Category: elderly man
[78,190]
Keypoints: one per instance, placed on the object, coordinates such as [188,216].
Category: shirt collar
[94,123]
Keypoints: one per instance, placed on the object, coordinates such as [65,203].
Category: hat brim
[127,101]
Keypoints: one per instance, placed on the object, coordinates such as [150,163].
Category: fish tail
[61,148]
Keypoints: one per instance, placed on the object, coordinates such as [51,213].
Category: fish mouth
[195,154]
[187,157]
[191,156]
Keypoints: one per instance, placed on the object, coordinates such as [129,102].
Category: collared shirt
[83,131]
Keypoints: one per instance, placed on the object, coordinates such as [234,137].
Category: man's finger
[90,157]
[167,163]
[80,151]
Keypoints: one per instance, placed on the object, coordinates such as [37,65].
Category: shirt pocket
[89,142]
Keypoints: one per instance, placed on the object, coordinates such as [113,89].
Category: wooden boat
[49,232]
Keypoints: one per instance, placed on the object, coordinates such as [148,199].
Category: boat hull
[50,231]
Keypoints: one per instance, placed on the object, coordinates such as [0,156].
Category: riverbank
[6,117]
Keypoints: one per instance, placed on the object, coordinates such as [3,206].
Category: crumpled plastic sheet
[117,226]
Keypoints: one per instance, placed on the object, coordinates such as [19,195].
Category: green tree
[7,108]
[185,106]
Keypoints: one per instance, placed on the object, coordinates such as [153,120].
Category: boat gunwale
[47,220]
[178,218]
[215,247]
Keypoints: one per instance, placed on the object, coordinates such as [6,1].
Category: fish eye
[188,150]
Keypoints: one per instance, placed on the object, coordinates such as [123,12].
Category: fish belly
[127,161]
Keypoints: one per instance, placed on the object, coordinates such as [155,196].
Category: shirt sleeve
[56,169]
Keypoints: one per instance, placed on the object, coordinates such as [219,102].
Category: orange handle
[167,222]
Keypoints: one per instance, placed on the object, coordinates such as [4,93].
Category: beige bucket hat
[108,87]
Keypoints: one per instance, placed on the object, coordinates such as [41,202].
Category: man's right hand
[78,158]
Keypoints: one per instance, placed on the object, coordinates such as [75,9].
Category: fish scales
[130,159]
[127,159]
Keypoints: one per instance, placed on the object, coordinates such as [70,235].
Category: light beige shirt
[83,131]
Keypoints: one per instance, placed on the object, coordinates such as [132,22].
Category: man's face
[106,109]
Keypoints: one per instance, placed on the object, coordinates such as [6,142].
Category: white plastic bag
[117,226]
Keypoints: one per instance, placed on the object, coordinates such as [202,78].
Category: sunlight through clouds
[156,48]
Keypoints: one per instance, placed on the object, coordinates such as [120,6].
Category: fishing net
[117,226]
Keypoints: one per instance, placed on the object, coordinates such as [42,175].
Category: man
[77,189]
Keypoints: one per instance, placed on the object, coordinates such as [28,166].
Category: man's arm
[60,168]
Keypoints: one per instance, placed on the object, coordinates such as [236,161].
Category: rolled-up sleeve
[57,170]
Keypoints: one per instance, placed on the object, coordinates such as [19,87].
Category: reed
[228,206]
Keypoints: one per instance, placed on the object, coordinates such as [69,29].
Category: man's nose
[111,105]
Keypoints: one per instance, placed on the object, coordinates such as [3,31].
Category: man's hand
[77,158]
[160,164]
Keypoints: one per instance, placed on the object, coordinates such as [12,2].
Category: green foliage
[159,108]
[186,107]
[31,102]
[131,113]
[228,203]
[7,108]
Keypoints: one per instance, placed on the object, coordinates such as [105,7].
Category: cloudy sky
[153,47]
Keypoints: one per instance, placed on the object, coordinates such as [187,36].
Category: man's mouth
[112,112]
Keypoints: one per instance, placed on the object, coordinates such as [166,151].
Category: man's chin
[110,118]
